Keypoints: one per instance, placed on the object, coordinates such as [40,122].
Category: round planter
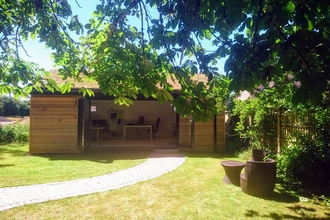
[259,178]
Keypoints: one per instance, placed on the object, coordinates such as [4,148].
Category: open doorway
[113,125]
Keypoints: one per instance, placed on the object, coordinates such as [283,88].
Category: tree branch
[77,3]
[300,56]
[122,16]
[213,34]
[255,35]
[59,22]
[142,30]
[190,28]
[16,40]
[162,33]
[166,45]
[147,18]
[202,62]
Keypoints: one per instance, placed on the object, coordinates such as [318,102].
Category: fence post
[279,115]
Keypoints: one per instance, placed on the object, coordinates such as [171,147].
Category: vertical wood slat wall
[53,124]
[184,131]
[221,132]
[204,134]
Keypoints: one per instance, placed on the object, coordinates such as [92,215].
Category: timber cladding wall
[204,134]
[53,124]
[184,131]
[221,132]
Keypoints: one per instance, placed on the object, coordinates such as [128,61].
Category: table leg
[97,134]
[150,132]
[124,132]
[232,175]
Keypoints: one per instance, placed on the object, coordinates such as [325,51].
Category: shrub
[235,144]
[14,133]
[305,164]
[9,106]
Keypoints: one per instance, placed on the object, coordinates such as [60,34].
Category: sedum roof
[87,83]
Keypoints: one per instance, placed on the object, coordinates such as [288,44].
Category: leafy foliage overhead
[261,39]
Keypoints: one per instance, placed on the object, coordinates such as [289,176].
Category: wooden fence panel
[282,129]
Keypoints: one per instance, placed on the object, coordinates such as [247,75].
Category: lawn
[18,168]
[193,191]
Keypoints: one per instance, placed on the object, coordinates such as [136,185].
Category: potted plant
[258,154]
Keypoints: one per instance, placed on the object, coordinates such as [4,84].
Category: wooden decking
[134,143]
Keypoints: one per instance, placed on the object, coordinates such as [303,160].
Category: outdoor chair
[141,120]
[155,128]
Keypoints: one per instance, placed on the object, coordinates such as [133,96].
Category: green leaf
[39,89]
[52,82]
[4,89]
[202,35]
[90,92]
[33,35]
[168,96]
[123,100]
[90,31]
[290,6]
[163,96]
[153,3]
[299,96]
[194,69]
[88,26]
[50,88]
[28,89]
[208,34]
[66,87]
[99,8]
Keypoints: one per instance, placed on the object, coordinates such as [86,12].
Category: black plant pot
[258,155]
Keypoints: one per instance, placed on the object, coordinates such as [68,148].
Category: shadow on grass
[282,195]
[108,155]
[12,149]
[303,215]
[216,155]
[6,165]
[102,155]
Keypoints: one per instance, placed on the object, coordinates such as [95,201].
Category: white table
[138,126]
[98,131]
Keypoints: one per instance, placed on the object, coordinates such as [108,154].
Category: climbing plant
[255,112]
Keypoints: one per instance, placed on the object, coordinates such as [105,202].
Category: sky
[37,51]
[41,55]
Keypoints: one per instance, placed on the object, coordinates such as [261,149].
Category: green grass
[17,168]
[193,191]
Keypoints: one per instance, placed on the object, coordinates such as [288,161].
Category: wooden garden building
[71,123]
